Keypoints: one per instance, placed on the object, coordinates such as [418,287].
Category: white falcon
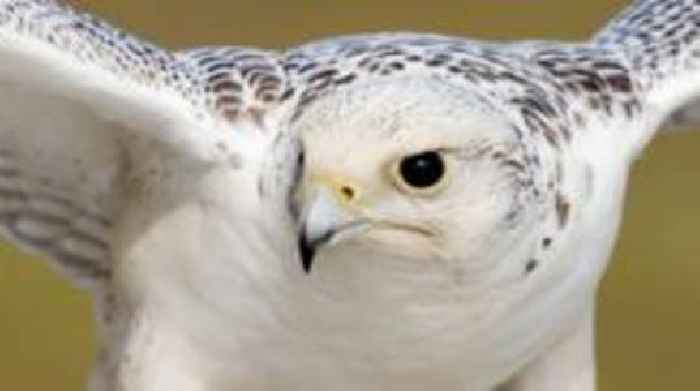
[388,211]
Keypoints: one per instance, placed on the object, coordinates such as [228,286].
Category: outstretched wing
[75,95]
[661,41]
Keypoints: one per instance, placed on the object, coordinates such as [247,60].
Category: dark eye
[422,170]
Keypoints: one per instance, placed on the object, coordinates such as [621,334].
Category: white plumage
[389,211]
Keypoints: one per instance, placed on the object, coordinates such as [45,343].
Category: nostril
[347,192]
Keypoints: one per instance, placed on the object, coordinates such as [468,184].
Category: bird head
[413,169]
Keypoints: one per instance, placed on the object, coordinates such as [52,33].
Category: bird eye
[423,170]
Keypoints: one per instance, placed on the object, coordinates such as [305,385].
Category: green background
[649,318]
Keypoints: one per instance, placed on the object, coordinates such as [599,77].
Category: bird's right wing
[77,96]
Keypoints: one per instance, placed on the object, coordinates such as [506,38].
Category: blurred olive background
[649,322]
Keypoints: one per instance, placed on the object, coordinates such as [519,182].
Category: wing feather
[74,94]
[661,42]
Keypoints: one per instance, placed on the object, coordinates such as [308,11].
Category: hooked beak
[323,223]
[308,248]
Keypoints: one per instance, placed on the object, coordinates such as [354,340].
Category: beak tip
[307,253]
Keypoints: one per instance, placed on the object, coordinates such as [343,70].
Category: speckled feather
[214,83]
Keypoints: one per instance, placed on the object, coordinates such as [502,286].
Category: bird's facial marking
[297,178]
[531,265]
[546,243]
[563,209]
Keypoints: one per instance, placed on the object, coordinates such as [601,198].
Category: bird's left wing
[75,95]
[660,40]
